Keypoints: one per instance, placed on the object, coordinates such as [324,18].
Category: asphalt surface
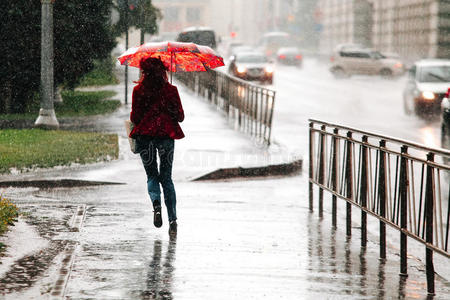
[237,239]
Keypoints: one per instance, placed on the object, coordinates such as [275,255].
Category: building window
[193,14]
[171,14]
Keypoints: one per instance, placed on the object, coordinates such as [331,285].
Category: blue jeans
[148,147]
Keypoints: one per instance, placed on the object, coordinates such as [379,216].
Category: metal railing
[401,183]
[248,106]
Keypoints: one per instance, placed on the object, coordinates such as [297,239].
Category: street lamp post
[47,118]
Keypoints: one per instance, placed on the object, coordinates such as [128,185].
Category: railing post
[311,164]
[321,167]
[429,199]
[382,197]
[403,193]
[334,176]
[363,191]
[349,182]
[272,99]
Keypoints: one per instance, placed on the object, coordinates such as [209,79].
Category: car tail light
[331,58]
[282,56]
[447,95]
[299,56]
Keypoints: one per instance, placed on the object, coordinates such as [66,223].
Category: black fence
[248,106]
[402,184]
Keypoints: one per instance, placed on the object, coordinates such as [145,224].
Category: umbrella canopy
[176,56]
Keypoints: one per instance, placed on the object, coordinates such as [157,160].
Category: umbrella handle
[171,56]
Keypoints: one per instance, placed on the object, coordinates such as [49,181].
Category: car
[290,56]
[232,45]
[428,81]
[241,48]
[270,42]
[445,122]
[347,61]
[164,36]
[199,35]
[251,66]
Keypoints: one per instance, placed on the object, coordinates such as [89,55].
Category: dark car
[290,56]
[445,131]
[198,35]
[251,66]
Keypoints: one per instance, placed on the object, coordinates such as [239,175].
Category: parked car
[290,56]
[428,81]
[445,128]
[251,66]
[347,61]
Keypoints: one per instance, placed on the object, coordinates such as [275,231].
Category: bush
[8,214]
[102,74]
[76,103]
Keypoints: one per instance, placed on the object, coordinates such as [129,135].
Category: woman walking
[156,111]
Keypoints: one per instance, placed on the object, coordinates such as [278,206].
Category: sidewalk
[246,239]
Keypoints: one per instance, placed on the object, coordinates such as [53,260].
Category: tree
[20,48]
[82,33]
[140,14]
[147,17]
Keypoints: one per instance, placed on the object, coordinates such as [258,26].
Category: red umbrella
[176,56]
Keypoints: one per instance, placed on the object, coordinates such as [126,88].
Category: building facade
[343,22]
[244,19]
[412,28]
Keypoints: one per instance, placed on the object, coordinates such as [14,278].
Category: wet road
[370,103]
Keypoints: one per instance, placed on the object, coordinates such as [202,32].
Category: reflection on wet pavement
[160,272]
[338,267]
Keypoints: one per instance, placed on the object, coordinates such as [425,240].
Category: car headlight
[268,69]
[241,69]
[428,95]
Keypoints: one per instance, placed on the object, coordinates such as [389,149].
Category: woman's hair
[154,73]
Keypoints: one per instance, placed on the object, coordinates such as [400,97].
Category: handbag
[129,126]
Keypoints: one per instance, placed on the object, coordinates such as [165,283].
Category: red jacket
[156,113]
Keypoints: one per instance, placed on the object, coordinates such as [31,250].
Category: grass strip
[35,148]
[75,104]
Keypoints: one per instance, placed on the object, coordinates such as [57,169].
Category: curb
[57,183]
[286,169]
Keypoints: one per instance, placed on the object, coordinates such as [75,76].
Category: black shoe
[157,219]
[173,228]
